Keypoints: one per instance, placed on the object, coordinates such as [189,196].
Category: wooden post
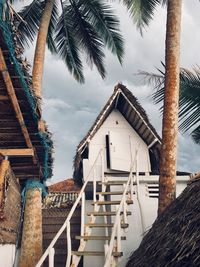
[31,245]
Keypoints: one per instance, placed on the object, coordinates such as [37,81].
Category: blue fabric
[31,184]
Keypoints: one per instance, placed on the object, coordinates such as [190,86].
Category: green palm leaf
[31,14]
[189,103]
[106,24]
[86,36]
[51,30]
[196,135]
[142,11]
[67,45]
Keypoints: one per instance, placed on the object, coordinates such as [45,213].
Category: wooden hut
[174,239]
[24,142]
[56,208]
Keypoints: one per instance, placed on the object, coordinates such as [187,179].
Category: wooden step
[112,193]
[106,213]
[119,182]
[116,182]
[114,202]
[95,253]
[96,225]
[97,237]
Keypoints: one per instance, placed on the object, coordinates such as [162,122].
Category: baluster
[51,257]
[132,181]
[119,235]
[125,219]
[69,245]
[83,215]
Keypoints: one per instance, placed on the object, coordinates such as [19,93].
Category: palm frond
[66,45]
[189,102]
[31,14]
[86,36]
[106,24]
[52,27]
[196,135]
[142,11]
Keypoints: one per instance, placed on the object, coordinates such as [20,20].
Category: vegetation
[189,102]
[142,12]
[82,27]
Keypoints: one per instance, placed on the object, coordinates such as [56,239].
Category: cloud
[70,108]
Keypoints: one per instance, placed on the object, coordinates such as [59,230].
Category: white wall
[144,213]
[122,135]
[7,255]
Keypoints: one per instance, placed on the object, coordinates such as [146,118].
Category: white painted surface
[123,136]
[144,213]
[7,255]
[120,151]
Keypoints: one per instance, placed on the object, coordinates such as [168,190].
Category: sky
[70,108]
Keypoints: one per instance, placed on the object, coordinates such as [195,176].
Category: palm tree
[142,12]
[189,100]
[82,26]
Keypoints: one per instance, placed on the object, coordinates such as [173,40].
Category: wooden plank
[95,253]
[17,152]
[4,98]
[15,104]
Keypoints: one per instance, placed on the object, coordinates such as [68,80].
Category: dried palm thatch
[21,125]
[174,238]
[10,204]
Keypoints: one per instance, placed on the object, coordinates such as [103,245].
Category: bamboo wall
[10,204]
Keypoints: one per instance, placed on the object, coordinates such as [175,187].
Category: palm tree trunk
[38,63]
[31,245]
[167,179]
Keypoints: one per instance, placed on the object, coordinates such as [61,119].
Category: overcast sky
[70,108]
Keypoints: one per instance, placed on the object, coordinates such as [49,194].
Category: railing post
[119,236]
[132,181]
[83,214]
[51,257]
[69,245]
[125,219]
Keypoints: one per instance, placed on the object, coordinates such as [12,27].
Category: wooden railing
[121,216]
[50,251]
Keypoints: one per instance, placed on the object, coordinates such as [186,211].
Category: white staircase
[106,221]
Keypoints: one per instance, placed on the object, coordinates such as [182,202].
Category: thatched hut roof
[21,127]
[125,102]
[174,238]
[62,194]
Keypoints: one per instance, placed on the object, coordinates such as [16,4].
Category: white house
[120,140]
[117,164]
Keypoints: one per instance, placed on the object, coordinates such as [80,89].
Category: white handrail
[117,221]
[67,221]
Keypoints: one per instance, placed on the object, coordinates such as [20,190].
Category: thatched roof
[174,238]
[64,186]
[62,194]
[123,100]
[20,116]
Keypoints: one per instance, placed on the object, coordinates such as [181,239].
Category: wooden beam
[4,97]
[14,101]
[25,152]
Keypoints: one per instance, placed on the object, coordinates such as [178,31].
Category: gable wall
[126,144]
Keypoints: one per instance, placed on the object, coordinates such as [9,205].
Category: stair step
[114,202]
[106,213]
[95,253]
[97,237]
[123,225]
[112,193]
[119,182]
